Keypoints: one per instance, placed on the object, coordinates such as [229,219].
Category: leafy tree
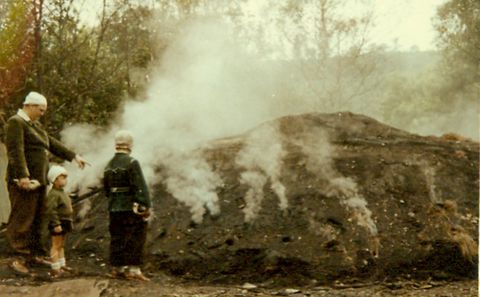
[19,37]
[131,44]
[458,26]
[452,88]
[86,72]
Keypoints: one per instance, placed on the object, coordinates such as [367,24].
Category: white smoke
[262,159]
[254,196]
[316,146]
[430,172]
[96,146]
[347,190]
[191,180]
[206,87]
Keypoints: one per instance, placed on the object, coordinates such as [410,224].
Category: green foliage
[451,90]
[85,72]
[18,39]
[458,25]
[13,28]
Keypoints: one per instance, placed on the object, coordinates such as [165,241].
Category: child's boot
[56,270]
[134,273]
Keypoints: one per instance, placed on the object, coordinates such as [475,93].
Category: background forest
[302,56]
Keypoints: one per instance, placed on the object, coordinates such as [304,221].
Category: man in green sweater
[28,146]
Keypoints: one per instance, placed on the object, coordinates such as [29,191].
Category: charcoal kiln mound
[317,197]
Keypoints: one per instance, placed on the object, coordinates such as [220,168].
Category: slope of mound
[315,197]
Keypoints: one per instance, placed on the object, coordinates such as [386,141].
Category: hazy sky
[409,22]
[401,23]
[207,87]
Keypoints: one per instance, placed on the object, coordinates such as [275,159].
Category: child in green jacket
[59,215]
[128,194]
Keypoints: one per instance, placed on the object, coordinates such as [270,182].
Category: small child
[59,216]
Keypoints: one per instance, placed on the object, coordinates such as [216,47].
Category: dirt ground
[369,210]
[162,285]
[90,280]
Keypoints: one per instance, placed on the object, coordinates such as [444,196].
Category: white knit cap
[34,98]
[123,139]
[54,172]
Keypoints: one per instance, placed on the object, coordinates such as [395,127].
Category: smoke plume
[429,173]
[261,159]
[205,87]
[316,147]
[190,179]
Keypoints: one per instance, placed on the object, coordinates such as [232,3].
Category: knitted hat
[34,98]
[55,171]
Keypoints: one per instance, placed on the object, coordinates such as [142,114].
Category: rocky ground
[308,205]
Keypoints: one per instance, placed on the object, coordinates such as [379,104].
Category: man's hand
[57,229]
[81,161]
[24,183]
[27,184]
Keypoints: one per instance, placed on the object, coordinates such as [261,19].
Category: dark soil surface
[369,210]
[94,287]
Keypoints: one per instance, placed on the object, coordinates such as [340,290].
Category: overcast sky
[408,22]
[404,24]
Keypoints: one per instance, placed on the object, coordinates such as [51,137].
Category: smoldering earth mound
[377,202]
